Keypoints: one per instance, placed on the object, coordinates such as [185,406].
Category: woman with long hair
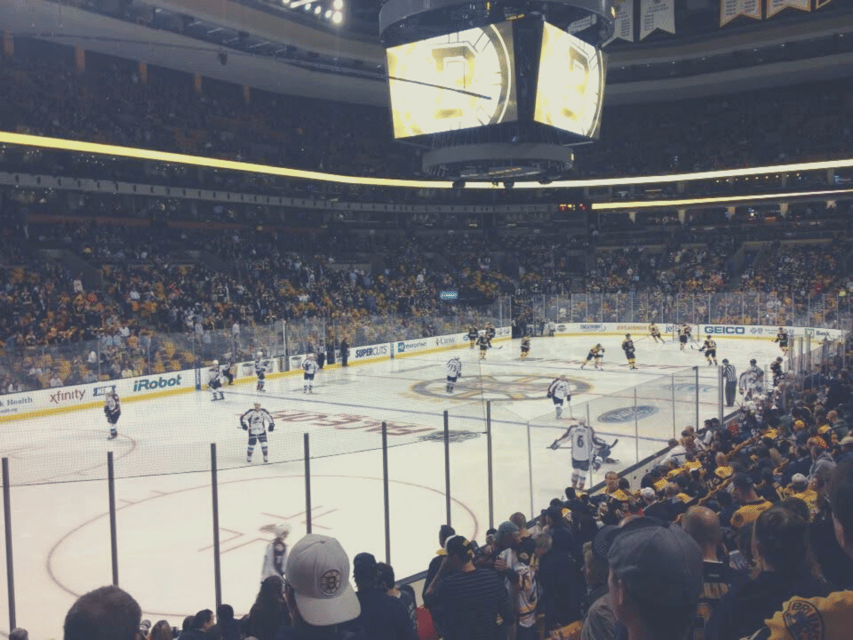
[269,611]
[784,567]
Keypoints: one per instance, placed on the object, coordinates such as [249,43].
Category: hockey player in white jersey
[260,371]
[751,381]
[454,371]
[214,381]
[310,367]
[112,409]
[275,557]
[257,422]
[560,391]
[586,448]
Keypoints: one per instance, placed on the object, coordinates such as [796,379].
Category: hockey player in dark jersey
[684,335]
[776,370]
[112,409]
[275,558]
[226,369]
[709,348]
[525,347]
[654,332]
[472,335]
[490,333]
[628,348]
[782,339]
[596,353]
[483,343]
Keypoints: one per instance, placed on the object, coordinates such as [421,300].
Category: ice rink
[162,459]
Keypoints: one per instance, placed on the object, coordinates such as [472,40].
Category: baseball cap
[364,567]
[648,493]
[657,562]
[742,481]
[846,440]
[799,479]
[318,572]
[604,540]
[506,527]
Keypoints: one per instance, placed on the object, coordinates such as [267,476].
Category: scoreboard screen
[456,81]
[570,86]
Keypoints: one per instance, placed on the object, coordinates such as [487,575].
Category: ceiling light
[337,5]
[328,14]
[337,17]
[317,10]
[307,7]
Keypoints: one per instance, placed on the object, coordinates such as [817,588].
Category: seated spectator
[475,601]
[269,612]
[385,576]
[107,613]
[599,620]
[786,567]
[162,630]
[750,504]
[202,624]
[827,617]
[318,594]
[799,488]
[383,617]
[444,533]
[655,581]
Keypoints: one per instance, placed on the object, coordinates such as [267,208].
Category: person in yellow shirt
[799,488]
[751,505]
[723,472]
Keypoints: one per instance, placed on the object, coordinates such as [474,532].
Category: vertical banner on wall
[731,9]
[775,6]
[623,25]
[656,14]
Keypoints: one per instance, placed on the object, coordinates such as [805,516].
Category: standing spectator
[475,601]
[560,580]
[830,617]
[318,593]
[269,611]
[786,568]
[382,616]
[730,379]
[525,591]
[344,352]
[599,622]
[23,634]
[655,580]
[385,574]
[107,613]
[201,626]
[445,532]
[229,628]
[703,525]
[161,631]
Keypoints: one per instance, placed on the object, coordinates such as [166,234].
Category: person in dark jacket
[561,580]
[787,568]
[229,628]
[269,611]
[444,532]
[382,616]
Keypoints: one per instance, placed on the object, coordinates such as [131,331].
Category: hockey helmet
[627,335]
[216,363]
[257,405]
[282,530]
[259,354]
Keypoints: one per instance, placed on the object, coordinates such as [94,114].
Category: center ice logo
[628,414]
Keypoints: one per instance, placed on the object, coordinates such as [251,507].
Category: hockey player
[260,371]
[782,339]
[255,421]
[683,335]
[472,335]
[596,353]
[525,347]
[584,445]
[226,369]
[275,557]
[112,409]
[654,332]
[483,342]
[628,348]
[490,333]
[751,381]
[454,371]
[709,348]
[310,367]
[776,370]
[214,381]
[560,391]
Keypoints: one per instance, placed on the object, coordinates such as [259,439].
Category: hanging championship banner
[623,25]
[656,14]
[820,4]
[731,9]
[775,6]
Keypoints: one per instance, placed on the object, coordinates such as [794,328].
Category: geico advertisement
[455,81]
[570,87]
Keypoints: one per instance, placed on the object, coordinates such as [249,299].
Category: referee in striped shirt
[730,378]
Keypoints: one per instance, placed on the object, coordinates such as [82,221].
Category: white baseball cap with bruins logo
[318,570]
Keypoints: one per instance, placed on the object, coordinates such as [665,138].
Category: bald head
[703,525]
